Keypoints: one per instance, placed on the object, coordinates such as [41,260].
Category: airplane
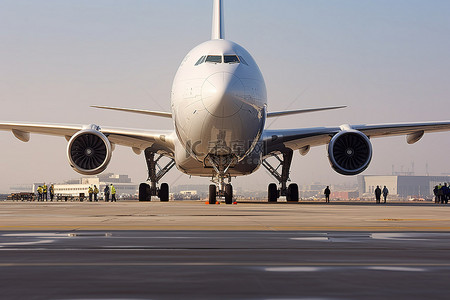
[219,111]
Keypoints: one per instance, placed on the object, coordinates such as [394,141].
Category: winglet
[217,21]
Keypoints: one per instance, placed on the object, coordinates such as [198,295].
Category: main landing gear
[146,191]
[274,192]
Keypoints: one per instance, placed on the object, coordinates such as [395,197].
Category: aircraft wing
[304,138]
[137,139]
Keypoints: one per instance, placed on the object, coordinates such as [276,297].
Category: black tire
[164,192]
[293,193]
[212,194]
[272,192]
[144,192]
[228,194]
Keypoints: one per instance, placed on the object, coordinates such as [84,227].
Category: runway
[258,262]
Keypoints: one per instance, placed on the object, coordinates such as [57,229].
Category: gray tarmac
[189,250]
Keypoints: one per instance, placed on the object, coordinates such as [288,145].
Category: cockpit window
[214,59]
[230,59]
[200,60]
[243,60]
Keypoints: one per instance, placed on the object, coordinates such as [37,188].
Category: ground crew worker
[95,193]
[378,194]
[445,193]
[385,193]
[327,193]
[113,193]
[435,191]
[90,191]
[44,192]
[39,190]
[440,194]
[52,192]
[106,191]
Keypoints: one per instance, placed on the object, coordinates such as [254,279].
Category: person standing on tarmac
[435,192]
[378,194]
[39,190]
[440,193]
[90,192]
[385,193]
[445,193]
[327,193]
[52,192]
[95,193]
[44,192]
[113,193]
[106,191]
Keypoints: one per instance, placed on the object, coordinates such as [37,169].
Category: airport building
[404,187]
[73,188]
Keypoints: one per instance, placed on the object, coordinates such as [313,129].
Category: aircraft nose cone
[222,94]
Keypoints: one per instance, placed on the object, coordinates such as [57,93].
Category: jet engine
[349,152]
[89,151]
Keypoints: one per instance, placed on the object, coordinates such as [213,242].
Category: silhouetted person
[327,193]
[106,191]
[378,194]
[440,194]
[52,192]
[385,193]
[445,193]
[435,192]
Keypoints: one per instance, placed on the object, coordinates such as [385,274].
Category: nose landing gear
[220,189]
[221,164]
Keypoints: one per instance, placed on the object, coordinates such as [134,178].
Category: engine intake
[349,152]
[89,152]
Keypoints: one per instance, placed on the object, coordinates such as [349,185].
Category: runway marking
[37,234]
[400,269]
[26,243]
[312,238]
[292,269]
[238,264]
[397,236]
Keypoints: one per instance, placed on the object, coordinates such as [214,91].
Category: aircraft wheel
[144,192]
[272,192]
[228,194]
[164,192]
[293,192]
[212,194]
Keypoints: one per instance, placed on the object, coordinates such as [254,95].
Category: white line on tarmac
[26,243]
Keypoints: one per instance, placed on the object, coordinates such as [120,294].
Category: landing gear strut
[146,191]
[291,191]
[221,164]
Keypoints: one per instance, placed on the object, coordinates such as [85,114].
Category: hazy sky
[387,60]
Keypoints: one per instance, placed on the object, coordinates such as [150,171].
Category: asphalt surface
[224,264]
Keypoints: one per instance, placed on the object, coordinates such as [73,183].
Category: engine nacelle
[89,152]
[349,152]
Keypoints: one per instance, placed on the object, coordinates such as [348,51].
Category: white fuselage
[218,108]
